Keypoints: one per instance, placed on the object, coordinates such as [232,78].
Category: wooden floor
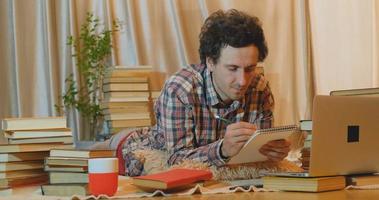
[34,193]
[333,195]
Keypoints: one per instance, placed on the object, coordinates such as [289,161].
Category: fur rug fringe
[154,162]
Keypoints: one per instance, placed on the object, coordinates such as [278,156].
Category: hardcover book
[83,162]
[125,80]
[304,184]
[126,99]
[12,166]
[126,87]
[138,94]
[23,156]
[37,133]
[63,140]
[65,168]
[81,153]
[172,178]
[127,116]
[132,106]
[21,173]
[10,124]
[67,177]
[65,189]
[14,148]
[13,182]
[356,92]
[156,78]
[361,180]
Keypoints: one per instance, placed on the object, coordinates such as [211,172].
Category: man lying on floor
[223,84]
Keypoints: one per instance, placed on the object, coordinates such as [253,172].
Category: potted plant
[92,53]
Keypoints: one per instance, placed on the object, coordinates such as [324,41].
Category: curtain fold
[314,46]
[343,41]
[375,34]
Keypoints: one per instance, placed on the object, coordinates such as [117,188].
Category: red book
[172,178]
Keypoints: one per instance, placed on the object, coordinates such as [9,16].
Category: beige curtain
[345,44]
[314,46]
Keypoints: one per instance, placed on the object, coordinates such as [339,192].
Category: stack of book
[129,93]
[29,141]
[306,126]
[304,184]
[37,130]
[68,171]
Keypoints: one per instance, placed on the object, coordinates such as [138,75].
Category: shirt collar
[212,97]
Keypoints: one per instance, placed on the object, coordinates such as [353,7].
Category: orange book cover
[172,178]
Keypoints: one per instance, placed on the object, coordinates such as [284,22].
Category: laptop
[345,136]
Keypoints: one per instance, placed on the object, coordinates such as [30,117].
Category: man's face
[233,72]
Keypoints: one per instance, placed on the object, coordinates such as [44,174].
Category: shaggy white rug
[154,162]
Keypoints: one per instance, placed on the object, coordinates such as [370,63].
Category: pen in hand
[226,121]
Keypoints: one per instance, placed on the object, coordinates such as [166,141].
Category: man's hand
[235,137]
[276,150]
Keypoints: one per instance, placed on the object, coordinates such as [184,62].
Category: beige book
[125,80]
[127,116]
[64,140]
[126,87]
[126,99]
[23,156]
[65,190]
[14,148]
[156,78]
[38,123]
[132,68]
[14,182]
[304,184]
[361,180]
[66,161]
[81,153]
[60,168]
[356,92]
[22,165]
[120,112]
[111,111]
[130,123]
[37,133]
[67,177]
[125,105]
[21,173]
[127,94]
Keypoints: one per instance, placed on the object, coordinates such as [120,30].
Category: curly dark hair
[233,28]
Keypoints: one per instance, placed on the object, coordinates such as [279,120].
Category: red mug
[103,176]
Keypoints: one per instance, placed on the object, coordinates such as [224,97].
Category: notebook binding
[279,129]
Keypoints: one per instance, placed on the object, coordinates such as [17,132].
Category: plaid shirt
[186,126]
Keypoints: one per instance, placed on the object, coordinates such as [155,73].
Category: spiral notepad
[250,151]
